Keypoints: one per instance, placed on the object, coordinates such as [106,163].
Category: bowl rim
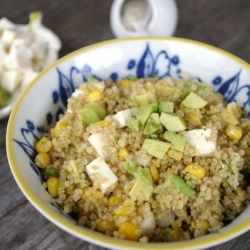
[90,235]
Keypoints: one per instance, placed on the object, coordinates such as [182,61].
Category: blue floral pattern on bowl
[146,65]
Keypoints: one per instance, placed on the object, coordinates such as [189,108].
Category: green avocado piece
[143,114]
[155,106]
[153,124]
[178,182]
[92,112]
[131,166]
[155,148]
[134,124]
[145,99]
[166,107]
[155,117]
[178,142]
[4,97]
[143,187]
[151,127]
[172,122]
[194,101]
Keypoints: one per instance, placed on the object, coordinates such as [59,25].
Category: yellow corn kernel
[154,173]
[204,224]
[42,160]
[180,204]
[57,128]
[125,83]
[174,154]
[102,123]
[126,209]
[195,119]
[196,170]
[130,230]
[129,203]
[123,153]
[193,225]
[177,233]
[95,95]
[157,164]
[43,145]
[113,200]
[85,194]
[103,226]
[234,132]
[52,185]
[97,194]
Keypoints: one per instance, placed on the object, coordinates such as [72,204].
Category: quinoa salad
[148,160]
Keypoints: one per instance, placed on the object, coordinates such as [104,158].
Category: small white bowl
[143,18]
[39,106]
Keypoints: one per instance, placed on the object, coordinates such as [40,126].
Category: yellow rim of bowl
[87,234]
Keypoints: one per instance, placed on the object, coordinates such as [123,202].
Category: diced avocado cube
[153,124]
[131,166]
[155,106]
[178,182]
[92,112]
[155,117]
[145,99]
[194,101]
[98,109]
[143,187]
[143,114]
[151,127]
[178,142]
[172,122]
[230,114]
[156,148]
[134,124]
[166,107]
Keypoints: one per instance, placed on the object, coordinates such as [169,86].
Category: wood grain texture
[222,23]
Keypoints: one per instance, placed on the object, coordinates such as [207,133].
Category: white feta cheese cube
[7,37]
[77,92]
[11,79]
[6,24]
[19,57]
[101,174]
[2,54]
[99,85]
[99,143]
[148,226]
[39,50]
[122,117]
[199,139]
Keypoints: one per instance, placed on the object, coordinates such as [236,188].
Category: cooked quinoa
[188,192]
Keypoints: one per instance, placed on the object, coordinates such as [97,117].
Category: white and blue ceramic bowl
[40,105]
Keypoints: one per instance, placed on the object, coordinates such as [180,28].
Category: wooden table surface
[222,23]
